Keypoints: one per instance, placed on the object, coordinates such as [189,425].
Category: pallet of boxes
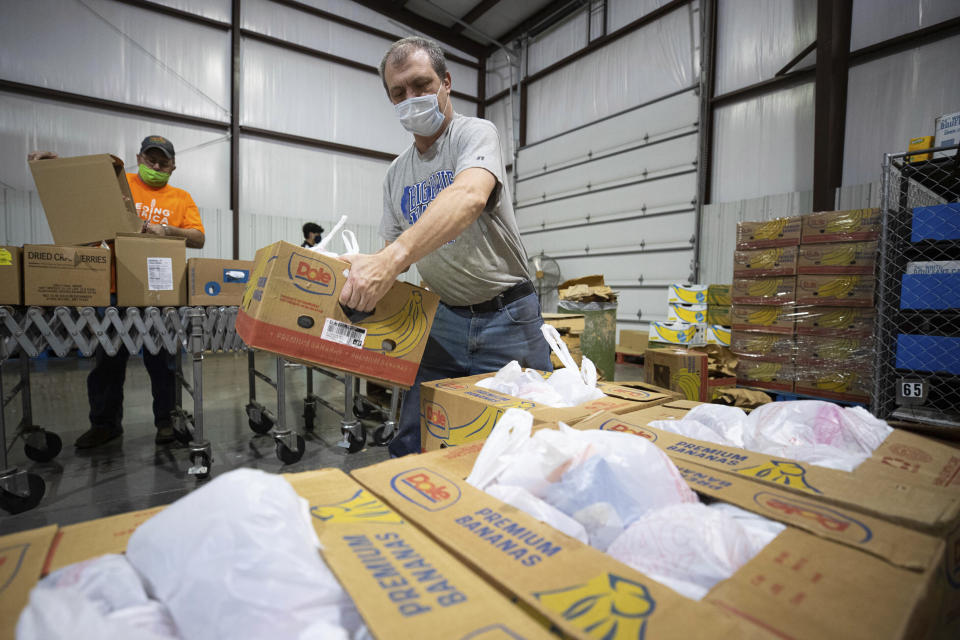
[803,304]
[687,353]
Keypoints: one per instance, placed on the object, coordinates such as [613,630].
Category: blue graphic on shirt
[416,198]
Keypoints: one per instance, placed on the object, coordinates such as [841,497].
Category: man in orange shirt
[166,211]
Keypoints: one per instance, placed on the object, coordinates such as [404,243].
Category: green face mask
[153,178]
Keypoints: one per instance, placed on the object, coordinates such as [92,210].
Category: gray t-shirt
[488,256]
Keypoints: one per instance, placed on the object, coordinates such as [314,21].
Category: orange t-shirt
[166,205]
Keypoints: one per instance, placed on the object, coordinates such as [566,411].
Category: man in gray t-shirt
[446,209]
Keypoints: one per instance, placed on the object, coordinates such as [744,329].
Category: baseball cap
[157,142]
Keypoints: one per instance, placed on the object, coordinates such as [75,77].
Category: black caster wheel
[201,460]
[52,446]
[261,425]
[288,455]
[356,442]
[309,414]
[382,437]
[361,409]
[13,503]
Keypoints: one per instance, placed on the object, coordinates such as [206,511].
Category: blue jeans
[464,344]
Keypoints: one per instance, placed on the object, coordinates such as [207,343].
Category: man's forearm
[195,238]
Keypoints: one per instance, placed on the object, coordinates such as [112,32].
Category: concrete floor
[134,473]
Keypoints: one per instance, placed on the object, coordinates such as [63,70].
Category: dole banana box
[835,290]
[456,411]
[834,350]
[838,258]
[763,318]
[774,347]
[21,564]
[775,261]
[581,592]
[291,307]
[719,315]
[844,381]
[216,282]
[779,232]
[685,371]
[679,333]
[855,225]
[835,321]
[718,335]
[687,294]
[718,295]
[780,290]
[689,313]
[904,573]
[765,373]
[403,583]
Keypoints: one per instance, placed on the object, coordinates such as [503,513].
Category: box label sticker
[6,259]
[160,274]
[343,333]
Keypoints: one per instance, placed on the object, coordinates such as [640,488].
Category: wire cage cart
[917,359]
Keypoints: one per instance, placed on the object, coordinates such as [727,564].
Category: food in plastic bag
[813,431]
[239,558]
[98,599]
[539,509]
[691,547]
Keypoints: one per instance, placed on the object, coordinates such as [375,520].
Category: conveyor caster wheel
[383,437]
[200,465]
[355,442]
[288,455]
[42,446]
[361,409]
[13,503]
[309,414]
[259,421]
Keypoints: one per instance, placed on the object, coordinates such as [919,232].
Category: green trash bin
[599,338]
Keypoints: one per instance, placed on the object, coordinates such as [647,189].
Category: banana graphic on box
[837,349]
[770,229]
[766,259]
[687,315]
[841,255]
[838,318]
[482,423]
[400,333]
[764,371]
[765,287]
[764,317]
[758,343]
[849,222]
[678,333]
[838,287]
[836,382]
[607,606]
[686,296]
[687,383]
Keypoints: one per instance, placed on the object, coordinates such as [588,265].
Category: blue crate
[930,291]
[936,354]
[939,222]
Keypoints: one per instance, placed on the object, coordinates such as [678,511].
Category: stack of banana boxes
[803,298]
[697,315]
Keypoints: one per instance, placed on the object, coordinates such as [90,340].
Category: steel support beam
[235,83]
[433,29]
[830,102]
[474,14]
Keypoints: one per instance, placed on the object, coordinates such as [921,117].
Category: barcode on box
[336,331]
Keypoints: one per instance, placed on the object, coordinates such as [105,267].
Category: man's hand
[371,276]
[41,155]
[154,229]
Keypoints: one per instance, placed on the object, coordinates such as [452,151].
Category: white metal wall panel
[215,9]
[623,12]
[218,234]
[498,73]
[664,118]
[499,114]
[756,38]
[22,220]
[764,145]
[112,50]
[653,61]
[556,44]
[877,20]
[895,98]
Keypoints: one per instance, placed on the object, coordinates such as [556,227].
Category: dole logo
[426,488]
[815,516]
[311,276]
[616,425]
[437,420]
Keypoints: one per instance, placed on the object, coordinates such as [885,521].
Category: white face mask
[421,115]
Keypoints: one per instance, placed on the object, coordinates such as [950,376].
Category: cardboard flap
[21,563]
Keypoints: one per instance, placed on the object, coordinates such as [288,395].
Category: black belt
[496,303]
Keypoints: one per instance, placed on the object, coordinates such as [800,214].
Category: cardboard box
[95,185]
[936,222]
[776,261]
[11,275]
[292,308]
[947,128]
[765,319]
[679,333]
[718,334]
[835,321]
[687,293]
[778,232]
[773,347]
[215,282]
[919,144]
[633,341]
[719,315]
[855,225]
[835,290]
[689,313]
[21,564]
[85,540]
[928,353]
[573,322]
[850,351]
[66,276]
[719,295]
[456,411]
[151,271]
[765,373]
[581,591]
[845,381]
[931,285]
[403,583]
[685,371]
[838,257]
[765,291]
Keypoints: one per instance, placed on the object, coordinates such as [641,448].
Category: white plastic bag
[239,558]
[539,509]
[98,599]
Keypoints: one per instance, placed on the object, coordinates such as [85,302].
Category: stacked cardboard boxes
[697,314]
